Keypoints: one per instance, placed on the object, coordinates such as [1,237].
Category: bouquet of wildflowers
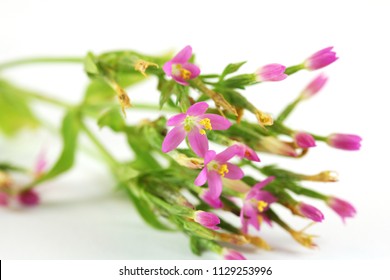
[190,164]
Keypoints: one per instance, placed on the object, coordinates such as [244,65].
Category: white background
[82,217]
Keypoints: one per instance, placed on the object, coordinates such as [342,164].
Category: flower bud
[314,86]
[271,72]
[207,219]
[348,142]
[343,208]
[304,140]
[320,59]
[29,198]
[310,212]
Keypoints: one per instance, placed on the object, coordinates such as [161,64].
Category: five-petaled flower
[256,202]
[217,166]
[193,124]
[180,69]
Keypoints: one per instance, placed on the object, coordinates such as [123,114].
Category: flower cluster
[206,164]
[217,170]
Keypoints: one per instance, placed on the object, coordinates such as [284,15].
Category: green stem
[287,111]
[113,162]
[293,69]
[36,60]
[49,100]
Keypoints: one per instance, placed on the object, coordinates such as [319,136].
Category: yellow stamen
[223,170]
[206,123]
[185,74]
[202,131]
[261,205]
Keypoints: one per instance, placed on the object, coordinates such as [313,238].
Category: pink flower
[3,199]
[232,255]
[180,69]
[41,164]
[193,124]
[349,142]
[207,219]
[343,208]
[320,59]
[310,212]
[304,140]
[314,86]
[207,197]
[256,202]
[29,198]
[246,152]
[216,167]
[271,72]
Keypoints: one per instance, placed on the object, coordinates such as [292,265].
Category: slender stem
[36,60]
[101,148]
[293,69]
[48,99]
[287,111]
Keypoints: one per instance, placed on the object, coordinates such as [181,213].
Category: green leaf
[15,112]
[90,65]
[239,81]
[183,96]
[142,149]
[166,89]
[10,167]
[113,119]
[196,246]
[69,132]
[144,208]
[231,68]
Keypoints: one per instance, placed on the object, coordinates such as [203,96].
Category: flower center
[261,205]
[178,70]
[222,169]
[206,125]
[189,123]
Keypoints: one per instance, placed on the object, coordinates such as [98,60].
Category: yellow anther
[223,170]
[202,131]
[261,205]
[206,123]
[185,74]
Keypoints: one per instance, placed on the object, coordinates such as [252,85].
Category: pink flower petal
[167,68]
[195,71]
[212,201]
[209,156]
[249,216]
[180,80]
[260,195]
[235,172]
[202,177]
[215,183]
[183,56]
[198,109]
[173,139]
[263,183]
[3,199]
[217,122]
[227,154]
[233,255]
[176,119]
[198,142]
